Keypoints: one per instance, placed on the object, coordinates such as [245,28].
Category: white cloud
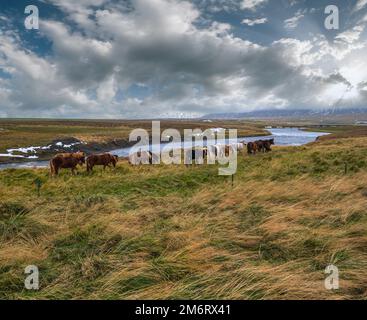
[360,5]
[351,36]
[252,4]
[107,90]
[181,65]
[293,22]
[253,22]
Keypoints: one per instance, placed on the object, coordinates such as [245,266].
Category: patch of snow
[60,144]
[35,149]
[71,145]
[217,129]
[24,150]
[10,155]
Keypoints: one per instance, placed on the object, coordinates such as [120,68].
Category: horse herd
[72,160]
[260,146]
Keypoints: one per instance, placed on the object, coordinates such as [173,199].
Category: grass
[19,133]
[171,232]
[340,131]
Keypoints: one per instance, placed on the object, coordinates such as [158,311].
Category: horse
[77,155]
[142,157]
[265,145]
[252,148]
[65,162]
[104,160]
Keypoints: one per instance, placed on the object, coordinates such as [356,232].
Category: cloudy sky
[172,58]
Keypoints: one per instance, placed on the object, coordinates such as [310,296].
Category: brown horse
[78,155]
[65,162]
[252,148]
[104,160]
[264,145]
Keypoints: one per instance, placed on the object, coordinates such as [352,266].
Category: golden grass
[159,232]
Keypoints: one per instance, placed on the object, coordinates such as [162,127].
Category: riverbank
[45,153]
[43,138]
[282,137]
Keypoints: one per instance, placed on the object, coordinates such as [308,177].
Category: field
[98,135]
[171,232]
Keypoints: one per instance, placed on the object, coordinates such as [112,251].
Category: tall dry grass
[171,232]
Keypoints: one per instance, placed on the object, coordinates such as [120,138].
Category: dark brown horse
[65,162]
[252,148]
[104,160]
[264,145]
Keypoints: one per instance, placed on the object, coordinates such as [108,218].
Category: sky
[171,58]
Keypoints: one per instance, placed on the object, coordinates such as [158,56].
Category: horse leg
[52,169]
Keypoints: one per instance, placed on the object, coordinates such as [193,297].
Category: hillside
[158,232]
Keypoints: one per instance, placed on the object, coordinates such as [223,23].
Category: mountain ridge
[290,113]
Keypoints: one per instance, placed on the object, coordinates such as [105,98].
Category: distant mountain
[301,113]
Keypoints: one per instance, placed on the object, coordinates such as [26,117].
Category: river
[282,136]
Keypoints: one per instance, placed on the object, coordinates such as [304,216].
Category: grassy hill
[171,232]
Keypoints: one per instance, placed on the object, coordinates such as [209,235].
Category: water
[282,136]
[294,136]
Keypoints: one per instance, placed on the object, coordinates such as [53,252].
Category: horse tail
[52,167]
[88,164]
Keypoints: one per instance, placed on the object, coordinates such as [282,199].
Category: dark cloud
[103,49]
